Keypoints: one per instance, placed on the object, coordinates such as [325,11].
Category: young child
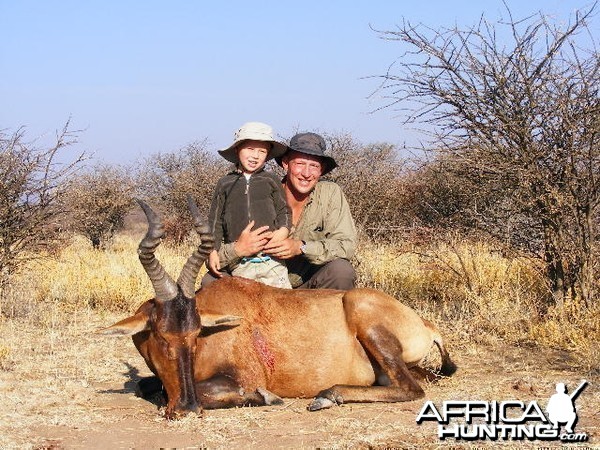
[250,194]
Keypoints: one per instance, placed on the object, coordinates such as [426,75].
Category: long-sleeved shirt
[327,227]
[239,200]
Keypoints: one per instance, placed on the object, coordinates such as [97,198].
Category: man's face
[303,171]
[253,155]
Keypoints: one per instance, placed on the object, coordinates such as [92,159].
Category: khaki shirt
[325,225]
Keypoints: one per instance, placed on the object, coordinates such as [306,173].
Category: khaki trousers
[270,272]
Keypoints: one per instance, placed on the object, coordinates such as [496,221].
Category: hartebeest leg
[218,392]
[223,392]
[424,374]
[384,348]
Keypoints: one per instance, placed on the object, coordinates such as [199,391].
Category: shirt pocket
[314,229]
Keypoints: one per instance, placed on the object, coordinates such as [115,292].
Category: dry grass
[574,330]
[82,277]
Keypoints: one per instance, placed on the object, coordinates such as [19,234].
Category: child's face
[252,155]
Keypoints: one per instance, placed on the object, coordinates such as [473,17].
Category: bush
[371,177]
[32,183]
[97,202]
[166,179]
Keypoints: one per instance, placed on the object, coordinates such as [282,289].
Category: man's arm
[338,237]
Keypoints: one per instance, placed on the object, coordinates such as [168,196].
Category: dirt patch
[68,388]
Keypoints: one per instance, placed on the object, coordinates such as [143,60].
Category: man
[323,237]
[561,408]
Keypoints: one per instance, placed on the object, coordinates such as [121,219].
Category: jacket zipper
[247,192]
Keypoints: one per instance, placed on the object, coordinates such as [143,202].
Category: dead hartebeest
[239,342]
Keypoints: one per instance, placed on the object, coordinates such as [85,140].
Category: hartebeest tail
[448,367]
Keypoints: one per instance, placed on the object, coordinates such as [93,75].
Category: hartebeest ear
[214,320]
[127,327]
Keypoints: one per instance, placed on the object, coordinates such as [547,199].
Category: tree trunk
[555,266]
[585,274]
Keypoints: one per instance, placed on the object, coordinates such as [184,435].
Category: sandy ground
[68,388]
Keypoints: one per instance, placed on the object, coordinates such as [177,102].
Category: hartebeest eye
[163,343]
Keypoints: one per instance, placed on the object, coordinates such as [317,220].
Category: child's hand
[279,235]
[213,264]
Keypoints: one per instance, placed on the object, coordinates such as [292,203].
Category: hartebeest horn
[164,286]
[189,273]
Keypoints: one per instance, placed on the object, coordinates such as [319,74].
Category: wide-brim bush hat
[311,144]
[253,131]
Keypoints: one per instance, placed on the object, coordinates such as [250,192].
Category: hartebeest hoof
[326,399]
[270,398]
[176,415]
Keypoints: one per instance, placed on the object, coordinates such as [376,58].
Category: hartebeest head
[170,321]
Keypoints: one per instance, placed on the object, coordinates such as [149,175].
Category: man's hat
[253,131]
[311,144]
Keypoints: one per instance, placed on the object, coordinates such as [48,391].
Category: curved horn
[189,273]
[164,286]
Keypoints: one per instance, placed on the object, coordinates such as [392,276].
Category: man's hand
[213,264]
[286,249]
[252,241]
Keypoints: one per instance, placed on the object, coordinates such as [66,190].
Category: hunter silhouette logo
[507,420]
[561,406]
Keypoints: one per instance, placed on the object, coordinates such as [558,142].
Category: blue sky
[139,77]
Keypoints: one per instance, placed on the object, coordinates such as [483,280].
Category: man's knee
[344,273]
[209,278]
[336,274]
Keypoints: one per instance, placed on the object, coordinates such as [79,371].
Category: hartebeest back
[239,342]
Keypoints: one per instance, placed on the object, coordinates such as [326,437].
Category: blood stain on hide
[262,348]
